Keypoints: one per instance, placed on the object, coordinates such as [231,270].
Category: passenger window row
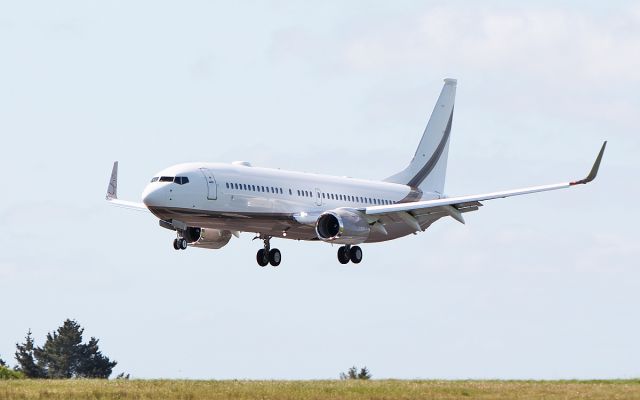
[356,199]
[254,188]
[180,180]
[309,193]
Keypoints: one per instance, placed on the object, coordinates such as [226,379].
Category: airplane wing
[112,193]
[413,213]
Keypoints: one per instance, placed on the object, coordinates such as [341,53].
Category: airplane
[208,203]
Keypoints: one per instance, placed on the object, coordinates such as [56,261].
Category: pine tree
[25,358]
[65,356]
[92,363]
[62,350]
[364,373]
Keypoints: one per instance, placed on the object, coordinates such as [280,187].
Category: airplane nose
[152,196]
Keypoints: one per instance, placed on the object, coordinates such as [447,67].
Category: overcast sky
[541,286]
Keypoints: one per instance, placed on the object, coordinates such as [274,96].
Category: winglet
[112,190]
[594,170]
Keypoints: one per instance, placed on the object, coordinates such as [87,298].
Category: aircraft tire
[262,258]
[176,246]
[275,257]
[183,243]
[343,257]
[355,254]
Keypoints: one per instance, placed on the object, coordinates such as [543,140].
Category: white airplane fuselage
[239,197]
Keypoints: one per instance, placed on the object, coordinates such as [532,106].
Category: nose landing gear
[267,255]
[349,253]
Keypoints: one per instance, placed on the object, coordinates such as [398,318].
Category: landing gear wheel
[343,256]
[355,254]
[262,258]
[183,243]
[275,257]
[176,245]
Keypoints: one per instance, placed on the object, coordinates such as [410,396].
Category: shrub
[6,373]
[352,373]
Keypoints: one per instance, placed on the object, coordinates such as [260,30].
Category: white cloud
[569,45]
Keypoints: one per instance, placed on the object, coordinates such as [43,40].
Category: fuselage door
[318,197]
[212,188]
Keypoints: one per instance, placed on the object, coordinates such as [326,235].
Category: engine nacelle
[207,238]
[342,225]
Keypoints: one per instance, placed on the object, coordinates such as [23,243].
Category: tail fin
[428,167]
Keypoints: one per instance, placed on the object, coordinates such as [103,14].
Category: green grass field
[302,390]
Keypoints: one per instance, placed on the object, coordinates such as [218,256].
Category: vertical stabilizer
[428,167]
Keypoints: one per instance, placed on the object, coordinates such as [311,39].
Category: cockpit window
[154,179]
[166,179]
[181,180]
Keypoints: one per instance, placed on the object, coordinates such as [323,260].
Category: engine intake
[342,225]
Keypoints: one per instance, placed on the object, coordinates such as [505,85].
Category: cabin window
[227,183]
[290,192]
[323,195]
[155,178]
[181,180]
[166,179]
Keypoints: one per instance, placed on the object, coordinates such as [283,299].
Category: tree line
[62,356]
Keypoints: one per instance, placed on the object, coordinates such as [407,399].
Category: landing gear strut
[267,255]
[349,253]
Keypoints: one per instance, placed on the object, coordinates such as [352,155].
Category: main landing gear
[179,243]
[267,255]
[349,253]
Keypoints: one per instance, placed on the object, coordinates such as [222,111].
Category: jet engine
[207,238]
[342,225]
